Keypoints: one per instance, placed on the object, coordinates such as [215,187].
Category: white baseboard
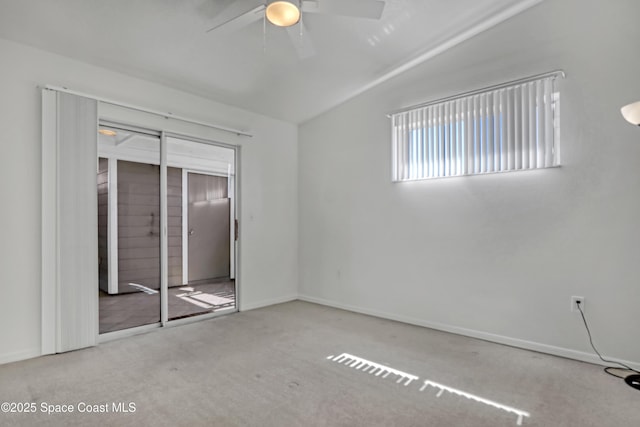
[19,355]
[267,302]
[500,339]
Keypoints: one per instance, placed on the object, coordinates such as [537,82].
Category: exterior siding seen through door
[139,225]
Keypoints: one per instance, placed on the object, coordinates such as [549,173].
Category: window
[504,128]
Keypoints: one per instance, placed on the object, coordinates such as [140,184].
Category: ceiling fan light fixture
[631,113]
[283,13]
[107,132]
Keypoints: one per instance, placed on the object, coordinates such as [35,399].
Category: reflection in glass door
[208,227]
[128,229]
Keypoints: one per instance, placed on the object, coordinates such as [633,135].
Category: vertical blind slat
[548,134]
[451,156]
[434,133]
[509,123]
[408,145]
[395,149]
[423,143]
[497,149]
[477,122]
[453,136]
[412,145]
[445,140]
[488,128]
[500,131]
[476,135]
[433,141]
[417,136]
[495,131]
[407,125]
[453,152]
[486,143]
[503,147]
[540,145]
[417,149]
[400,147]
[459,148]
[469,135]
[456,126]
[525,128]
[463,141]
[517,132]
[497,142]
[532,126]
[440,162]
[405,147]
[481,132]
[429,128]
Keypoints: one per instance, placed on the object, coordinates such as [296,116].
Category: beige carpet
[270,367]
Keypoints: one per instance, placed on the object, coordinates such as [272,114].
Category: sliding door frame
[164,236]
[164,246]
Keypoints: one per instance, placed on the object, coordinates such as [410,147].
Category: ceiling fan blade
[301,40]
[371,9]
[237,15]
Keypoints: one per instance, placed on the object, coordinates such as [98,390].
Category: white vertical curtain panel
[507,129]
[69,222]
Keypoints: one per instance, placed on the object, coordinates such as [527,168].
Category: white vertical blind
[69,210]
[505,129]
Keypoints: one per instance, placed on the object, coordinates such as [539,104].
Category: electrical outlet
[574,304]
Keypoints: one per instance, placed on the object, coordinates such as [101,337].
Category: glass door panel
[128,229]
[201,228]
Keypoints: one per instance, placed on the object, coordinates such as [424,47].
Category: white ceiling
[166,41]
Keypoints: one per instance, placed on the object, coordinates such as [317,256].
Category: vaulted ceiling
[256,66]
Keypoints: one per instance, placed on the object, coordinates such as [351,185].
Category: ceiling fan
[288,13]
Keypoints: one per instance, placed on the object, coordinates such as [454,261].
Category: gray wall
[495,256]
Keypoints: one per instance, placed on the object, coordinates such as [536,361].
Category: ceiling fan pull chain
[264,34]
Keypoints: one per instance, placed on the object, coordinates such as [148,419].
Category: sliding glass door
[203,209]
[147,277]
